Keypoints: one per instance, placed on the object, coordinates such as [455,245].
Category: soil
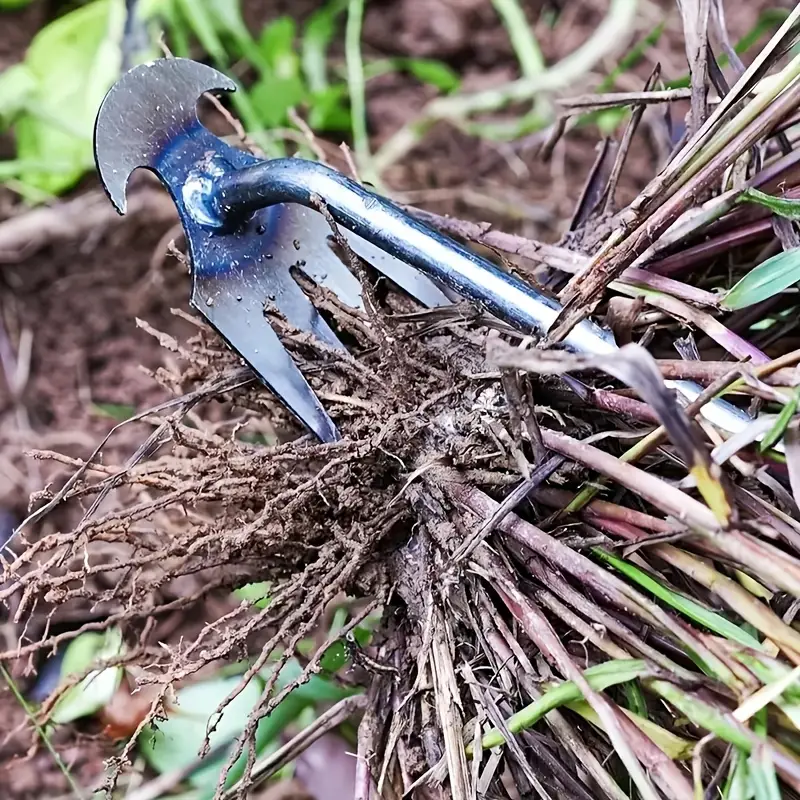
[75,303]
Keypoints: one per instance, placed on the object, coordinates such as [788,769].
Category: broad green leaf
[363,635]
[329,110]
[287,712]
[73,61]
[335,657]
[17,86]
[710,619]
[272,98]
[98,687]
[318,33]
[772,277]
[277,44]
[13,5]
[255,593]
[176,741]
[316,689]
[435,73]
[790,209]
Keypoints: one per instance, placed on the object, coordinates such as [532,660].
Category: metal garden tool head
[248,222]
[149,119]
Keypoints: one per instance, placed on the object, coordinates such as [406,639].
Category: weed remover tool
[248,222]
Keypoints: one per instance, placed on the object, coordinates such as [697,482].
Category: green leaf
[277,46]
[768,671]
[316,689]
[710,619]
[13,5]
[176,741]
[272,98]
[433,72]
[165,14]
[737,784]
[634,698]
[281,86]
[330,109]
[199,19]
[98,687]
[17,86]
[781,422]
[772,277]
[73,62]
[335,657]
[609,119]
[255,593]
[790,209]
[362,635]
[114,411]
[318,33]
[671,745]
[227,19]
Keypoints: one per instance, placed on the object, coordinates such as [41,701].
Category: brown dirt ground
[79,300]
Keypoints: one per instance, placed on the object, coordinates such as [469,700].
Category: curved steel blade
[149,119]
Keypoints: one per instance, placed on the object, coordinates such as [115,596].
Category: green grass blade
[318,33]
[355,84]
[76,790]
[599,677]
[781,423]
[710,619]
[769,278]
[763,779]
[790,209]
[528,52]
[634,698]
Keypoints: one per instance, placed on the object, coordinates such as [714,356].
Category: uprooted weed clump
[206,505]
[584,590]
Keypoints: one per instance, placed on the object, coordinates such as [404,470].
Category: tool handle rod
[237,194]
